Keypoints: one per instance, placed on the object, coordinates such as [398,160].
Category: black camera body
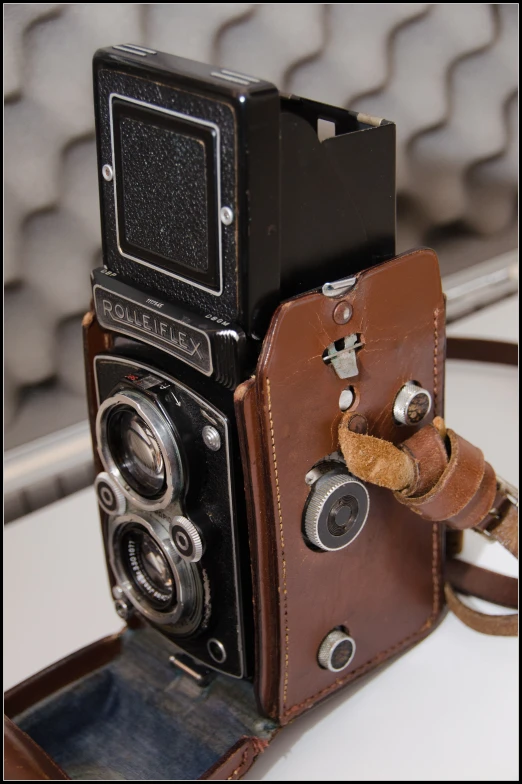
[218,202]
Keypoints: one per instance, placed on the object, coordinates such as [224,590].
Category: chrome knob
[336,651]
[336,511]
[186,539]
[412,404]
[110,497]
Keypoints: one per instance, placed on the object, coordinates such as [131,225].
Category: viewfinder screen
[167,192]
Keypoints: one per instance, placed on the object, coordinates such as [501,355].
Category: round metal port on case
[412,404]
[336,511]
[336,651]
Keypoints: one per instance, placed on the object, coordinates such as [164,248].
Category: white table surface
[446,711]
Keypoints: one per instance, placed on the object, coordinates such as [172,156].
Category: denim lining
[139,718]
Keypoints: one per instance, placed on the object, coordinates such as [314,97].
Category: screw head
[336,651]
[227,215]
[342,312]
[123,609]
[211,438]
[346,398]
[107,172]
[217,650]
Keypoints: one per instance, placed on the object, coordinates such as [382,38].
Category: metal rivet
[346,398]
[227,215]
[122,608]
[336,651]
[342,312]
[216,650]
[107,172]
[357,424]
[211,438]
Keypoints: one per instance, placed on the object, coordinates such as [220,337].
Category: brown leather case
[385,588]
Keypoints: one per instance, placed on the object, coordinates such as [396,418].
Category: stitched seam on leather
[384,654]
[241,765]
[435,527]
[434,564]
[435,359]
[282,539]
[435,571]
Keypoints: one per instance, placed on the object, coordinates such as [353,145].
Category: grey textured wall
[446,73]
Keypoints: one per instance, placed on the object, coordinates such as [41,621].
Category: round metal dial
[110,496]
[186,539]
[336,511]
[336,651]
[412,404]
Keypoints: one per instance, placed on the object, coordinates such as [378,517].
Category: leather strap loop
[505,625]
[473,580]
[457,486]
[449,481]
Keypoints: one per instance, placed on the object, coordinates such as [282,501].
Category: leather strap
[476,581]
[443,478]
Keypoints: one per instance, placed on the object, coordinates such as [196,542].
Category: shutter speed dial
[336,510]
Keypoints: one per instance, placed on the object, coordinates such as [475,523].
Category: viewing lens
[136,452]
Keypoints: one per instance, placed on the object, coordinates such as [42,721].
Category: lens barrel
[163,587]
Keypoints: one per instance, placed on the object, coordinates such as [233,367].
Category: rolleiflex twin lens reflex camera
[243,304]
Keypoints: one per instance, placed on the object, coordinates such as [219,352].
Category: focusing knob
[336,511]
[110,496]
[186,539]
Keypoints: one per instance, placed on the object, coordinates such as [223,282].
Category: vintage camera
[254,346]
[218,202]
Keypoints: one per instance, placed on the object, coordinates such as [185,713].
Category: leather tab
[25,760]
[426,448]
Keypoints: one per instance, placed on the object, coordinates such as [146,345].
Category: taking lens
[136,452]
[147,567]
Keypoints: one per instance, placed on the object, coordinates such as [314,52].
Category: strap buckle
[508,490]
[510,493]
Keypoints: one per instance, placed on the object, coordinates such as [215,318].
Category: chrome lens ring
[185,612]
[163,435]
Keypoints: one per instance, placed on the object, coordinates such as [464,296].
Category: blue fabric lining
[138,718]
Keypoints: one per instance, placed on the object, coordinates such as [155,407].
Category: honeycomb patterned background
[445,73]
